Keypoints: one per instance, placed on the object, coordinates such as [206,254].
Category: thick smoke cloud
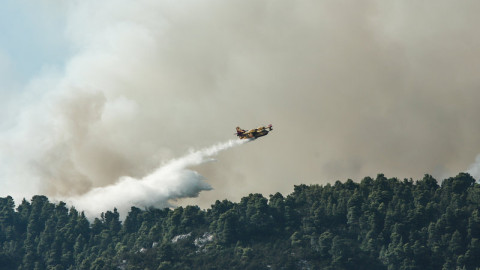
[352,89]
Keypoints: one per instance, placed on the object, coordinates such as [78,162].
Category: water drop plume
[170,181]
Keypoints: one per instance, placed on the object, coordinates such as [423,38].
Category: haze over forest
[93,92]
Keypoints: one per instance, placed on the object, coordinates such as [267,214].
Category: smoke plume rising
[352,88]
[171,181]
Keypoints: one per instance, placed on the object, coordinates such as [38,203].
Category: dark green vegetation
[375,224]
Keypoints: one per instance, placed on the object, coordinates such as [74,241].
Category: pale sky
[32,35]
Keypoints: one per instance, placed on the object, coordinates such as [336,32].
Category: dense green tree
[380,223]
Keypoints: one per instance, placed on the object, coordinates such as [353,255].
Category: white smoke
[170,181]
[354,87]
[474,169]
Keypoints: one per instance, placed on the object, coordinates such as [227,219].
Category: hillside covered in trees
[375,224]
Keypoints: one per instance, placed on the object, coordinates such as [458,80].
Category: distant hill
[375,224]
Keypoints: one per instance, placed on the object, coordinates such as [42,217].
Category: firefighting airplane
[253,133]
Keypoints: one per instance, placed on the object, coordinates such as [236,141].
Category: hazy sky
[92,91]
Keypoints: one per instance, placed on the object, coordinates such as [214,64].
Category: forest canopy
[377,223]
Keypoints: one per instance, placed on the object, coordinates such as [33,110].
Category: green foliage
[378,223]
